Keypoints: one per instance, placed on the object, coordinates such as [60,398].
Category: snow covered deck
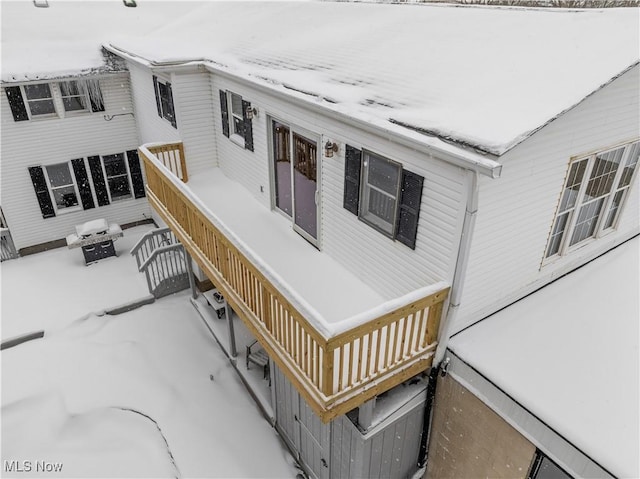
[569,354]
[336,339]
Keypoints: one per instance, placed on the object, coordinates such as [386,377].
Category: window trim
[124,158]
[84,93]
[165,111]
[364,184]
[57,99]
[51,188]
[27,102]
[565,248]
[233,116]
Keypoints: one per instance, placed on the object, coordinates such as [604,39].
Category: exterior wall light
[41,3]
[129,3]
[251,112]
[329,148]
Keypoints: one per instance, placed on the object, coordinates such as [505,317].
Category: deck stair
[163,260]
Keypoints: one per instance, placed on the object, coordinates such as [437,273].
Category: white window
[117,176]
[63,187]
[40,100]
[237,117]
[379,192]
[57,99]
[593,196]
[74,96]
[164,100]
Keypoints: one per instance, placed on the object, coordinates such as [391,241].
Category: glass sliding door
[282,167]
[305,184]
[295,172]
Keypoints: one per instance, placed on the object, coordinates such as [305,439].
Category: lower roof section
[569,355]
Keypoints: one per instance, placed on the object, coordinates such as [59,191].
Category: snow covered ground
[143,394]
[52,289]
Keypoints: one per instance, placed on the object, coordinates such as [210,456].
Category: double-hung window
[379,192]
[592,198]
[56,99]
[39,100]
[117,176]
[62,186]
[383,194]
[74,97]
[164,100]
[237,115]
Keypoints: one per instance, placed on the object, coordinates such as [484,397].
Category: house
[69,140]
[360,195]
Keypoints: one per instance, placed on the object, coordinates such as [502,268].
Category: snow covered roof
[482,76]
[569,354]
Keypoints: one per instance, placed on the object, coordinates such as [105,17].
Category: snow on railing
[151,241]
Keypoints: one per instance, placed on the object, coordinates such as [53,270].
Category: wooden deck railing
[333,374]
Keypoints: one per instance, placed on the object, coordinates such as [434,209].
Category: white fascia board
[485,165]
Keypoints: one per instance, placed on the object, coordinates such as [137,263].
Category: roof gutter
[481,164]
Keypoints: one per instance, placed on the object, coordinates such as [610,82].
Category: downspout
[462,260]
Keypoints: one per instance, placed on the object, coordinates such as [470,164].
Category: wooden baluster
[327,374]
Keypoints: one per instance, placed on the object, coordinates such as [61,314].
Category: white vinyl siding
[61,140]
[151,127]
[387,266]
[516,212]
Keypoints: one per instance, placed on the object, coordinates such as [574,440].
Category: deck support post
[232,335]
[192,282]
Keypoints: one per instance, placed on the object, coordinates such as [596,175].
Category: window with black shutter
[225,113]
[136,174]
[382,194]
[248,126]
[82,180]
[42,191]
[164,100]
[352,167]
[99,184]
[16,103]
[237,115]
[409,209]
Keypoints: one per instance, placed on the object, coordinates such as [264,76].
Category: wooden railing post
[433,322]
[183,163]
[327,369]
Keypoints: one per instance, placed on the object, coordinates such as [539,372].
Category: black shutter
[155,90]
[352,166]
[248,127]
[136,174]
[224,107]
[172,112]
[82,179]
[409,210]
[16,102]
[42,192]
[95,95]
[99,184]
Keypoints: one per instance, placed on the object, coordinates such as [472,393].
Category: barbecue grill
[96,239]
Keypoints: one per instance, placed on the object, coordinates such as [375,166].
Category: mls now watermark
[32,466]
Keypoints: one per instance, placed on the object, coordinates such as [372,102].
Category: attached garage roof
[485,77]
[569,354]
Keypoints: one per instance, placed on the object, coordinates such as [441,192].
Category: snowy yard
[143,394]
